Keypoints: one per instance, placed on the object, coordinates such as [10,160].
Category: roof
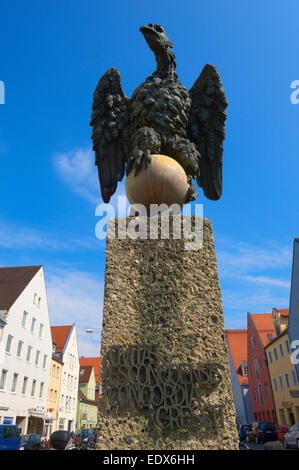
[92,361]
[60,335]
[264,325]
[84,374]
[237,343]
[283,311]
[82,397]
[13,281]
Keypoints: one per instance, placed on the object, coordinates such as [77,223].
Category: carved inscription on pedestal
[172,392]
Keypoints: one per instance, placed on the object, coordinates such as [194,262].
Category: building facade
[87,408]
[237,351]
[96,363]
[51,424]
[294,308]
[65,338]
[25,348]
[260,332]
[282,371]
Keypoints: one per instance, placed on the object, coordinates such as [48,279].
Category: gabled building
[65,339]
[237,350]
[282,372]
[260,331]
[53,402]
[25,348]
[87,408]
[294,308]
[96,363]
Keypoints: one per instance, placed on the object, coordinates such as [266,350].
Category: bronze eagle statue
[162,116]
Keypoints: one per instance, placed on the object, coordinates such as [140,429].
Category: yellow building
[87,407]
[53,394]
[283,376]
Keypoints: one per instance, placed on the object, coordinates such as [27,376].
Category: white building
[65,338]
[25,348]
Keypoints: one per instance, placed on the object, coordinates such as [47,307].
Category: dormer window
[243,367]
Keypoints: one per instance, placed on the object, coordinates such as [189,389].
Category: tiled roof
[284,312]
[59,336]
[92,361]
[12,283]
[84,374]
[237,343]
[264,325]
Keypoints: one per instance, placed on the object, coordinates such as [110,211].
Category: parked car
[9,437]
[261,432]
[243,431]
[30,442]
[291,438]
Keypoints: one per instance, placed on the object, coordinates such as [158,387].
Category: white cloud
[77,297]
[78,171]
[267,280]
[18,237]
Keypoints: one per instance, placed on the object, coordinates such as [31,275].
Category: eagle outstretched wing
[110,133]
[207,128]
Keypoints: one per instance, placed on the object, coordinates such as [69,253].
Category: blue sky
[53,53]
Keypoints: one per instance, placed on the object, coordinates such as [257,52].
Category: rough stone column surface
[158,293]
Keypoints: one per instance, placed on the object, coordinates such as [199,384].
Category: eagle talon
[137,161]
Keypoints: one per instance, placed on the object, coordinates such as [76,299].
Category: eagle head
[161,46]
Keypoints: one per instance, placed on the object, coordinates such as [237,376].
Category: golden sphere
[164,181]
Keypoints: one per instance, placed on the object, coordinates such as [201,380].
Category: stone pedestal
[165,377]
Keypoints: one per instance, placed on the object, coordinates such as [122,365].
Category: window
[37,358]
[275,385]
[294,378]
[25,314]
[281,350]
[34,299]
[33,388]
[41,390]
[254,394]
[8,343]
[286,375]
[252,346]
[260,394]
[270,336]
[287,343]
[41,327]
[33,325]
[267,394]
[3,379]
[25,382]
[29,350]
[270,357]
[53,370]
[281,382]
[256,366]
[14,382]
[57,372]
[275,354]
[39,302]
[19,350]
[262,362]
[45,361]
